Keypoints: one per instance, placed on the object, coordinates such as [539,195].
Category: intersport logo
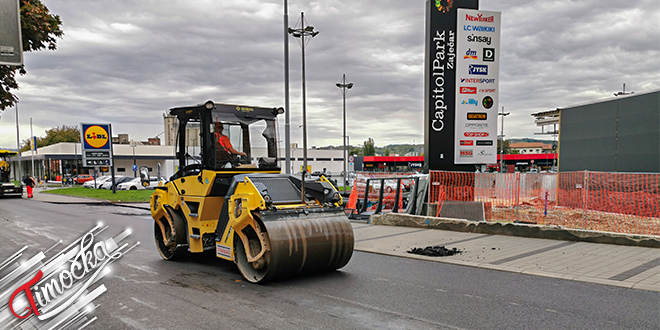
[478,80]
[468,90]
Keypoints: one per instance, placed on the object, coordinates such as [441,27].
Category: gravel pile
[435,251]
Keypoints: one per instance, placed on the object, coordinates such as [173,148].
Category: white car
[118,179]
[96,183]
[136,184]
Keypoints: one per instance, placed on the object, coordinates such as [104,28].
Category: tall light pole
[287,116]
[302,33]
[133,145]
[18,148]
[503,114]
[344,87]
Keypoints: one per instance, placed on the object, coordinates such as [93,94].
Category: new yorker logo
[479,18]
[470,54]
[478,28]
[473,38]
[478,69]
[468,90]
[470,102]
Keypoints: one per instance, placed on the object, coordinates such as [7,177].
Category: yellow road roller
[229,195]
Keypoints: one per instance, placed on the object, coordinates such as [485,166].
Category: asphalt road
[371,292]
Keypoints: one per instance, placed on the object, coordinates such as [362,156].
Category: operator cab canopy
[247,128]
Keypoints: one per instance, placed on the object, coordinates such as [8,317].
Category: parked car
[136,184]
[82,178]
[118,179]
[99,181]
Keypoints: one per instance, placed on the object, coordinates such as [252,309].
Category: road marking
[531,253]
[398,234]
[636,271]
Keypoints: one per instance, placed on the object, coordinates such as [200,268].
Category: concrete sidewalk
[608,264]
[623,266]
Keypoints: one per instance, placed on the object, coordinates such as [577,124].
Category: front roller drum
[298,243]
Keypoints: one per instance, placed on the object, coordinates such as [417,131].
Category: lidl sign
[96,144]
[96,136]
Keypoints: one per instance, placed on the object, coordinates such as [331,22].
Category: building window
[323,159]
[338,159]
[121,169]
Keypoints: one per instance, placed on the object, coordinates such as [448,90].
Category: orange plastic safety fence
[601,201]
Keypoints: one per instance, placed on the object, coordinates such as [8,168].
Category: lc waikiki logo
[57,293]
[96,136]
[444,5]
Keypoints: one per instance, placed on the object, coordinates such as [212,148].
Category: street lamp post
[133,145]
[503,114]
[344,86]
[302,33]
[287,116]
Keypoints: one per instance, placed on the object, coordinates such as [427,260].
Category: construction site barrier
[601,201]
[374,193]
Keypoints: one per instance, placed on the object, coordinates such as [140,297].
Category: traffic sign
[11,42]
[134,167]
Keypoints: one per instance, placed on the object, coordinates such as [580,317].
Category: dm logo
[444,5]
[96,136]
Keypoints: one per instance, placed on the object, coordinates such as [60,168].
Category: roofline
[611,98]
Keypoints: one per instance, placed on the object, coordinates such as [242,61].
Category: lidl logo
[96,136]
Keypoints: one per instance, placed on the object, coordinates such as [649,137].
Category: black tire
[133,188]
[167,253]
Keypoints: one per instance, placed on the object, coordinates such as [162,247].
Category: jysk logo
[468,90]
[466,153]
[444,5]
[484,142]
[476,134]
[489,54]
[478,28]
[96,136]
[478,69]
[487,102]
[467,142]
[471,54]
[470,102]
[476,116]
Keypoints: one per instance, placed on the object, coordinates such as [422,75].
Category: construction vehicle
[247,211]
[7,188]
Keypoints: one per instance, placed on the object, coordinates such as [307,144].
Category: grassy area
[120,196]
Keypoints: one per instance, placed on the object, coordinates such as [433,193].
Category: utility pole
[287,116]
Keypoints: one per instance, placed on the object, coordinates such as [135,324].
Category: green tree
[55,135]
[369,148]
[355,151]
[507,148]
[39,30]
[386,152]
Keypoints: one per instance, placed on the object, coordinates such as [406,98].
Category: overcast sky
[127,61]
